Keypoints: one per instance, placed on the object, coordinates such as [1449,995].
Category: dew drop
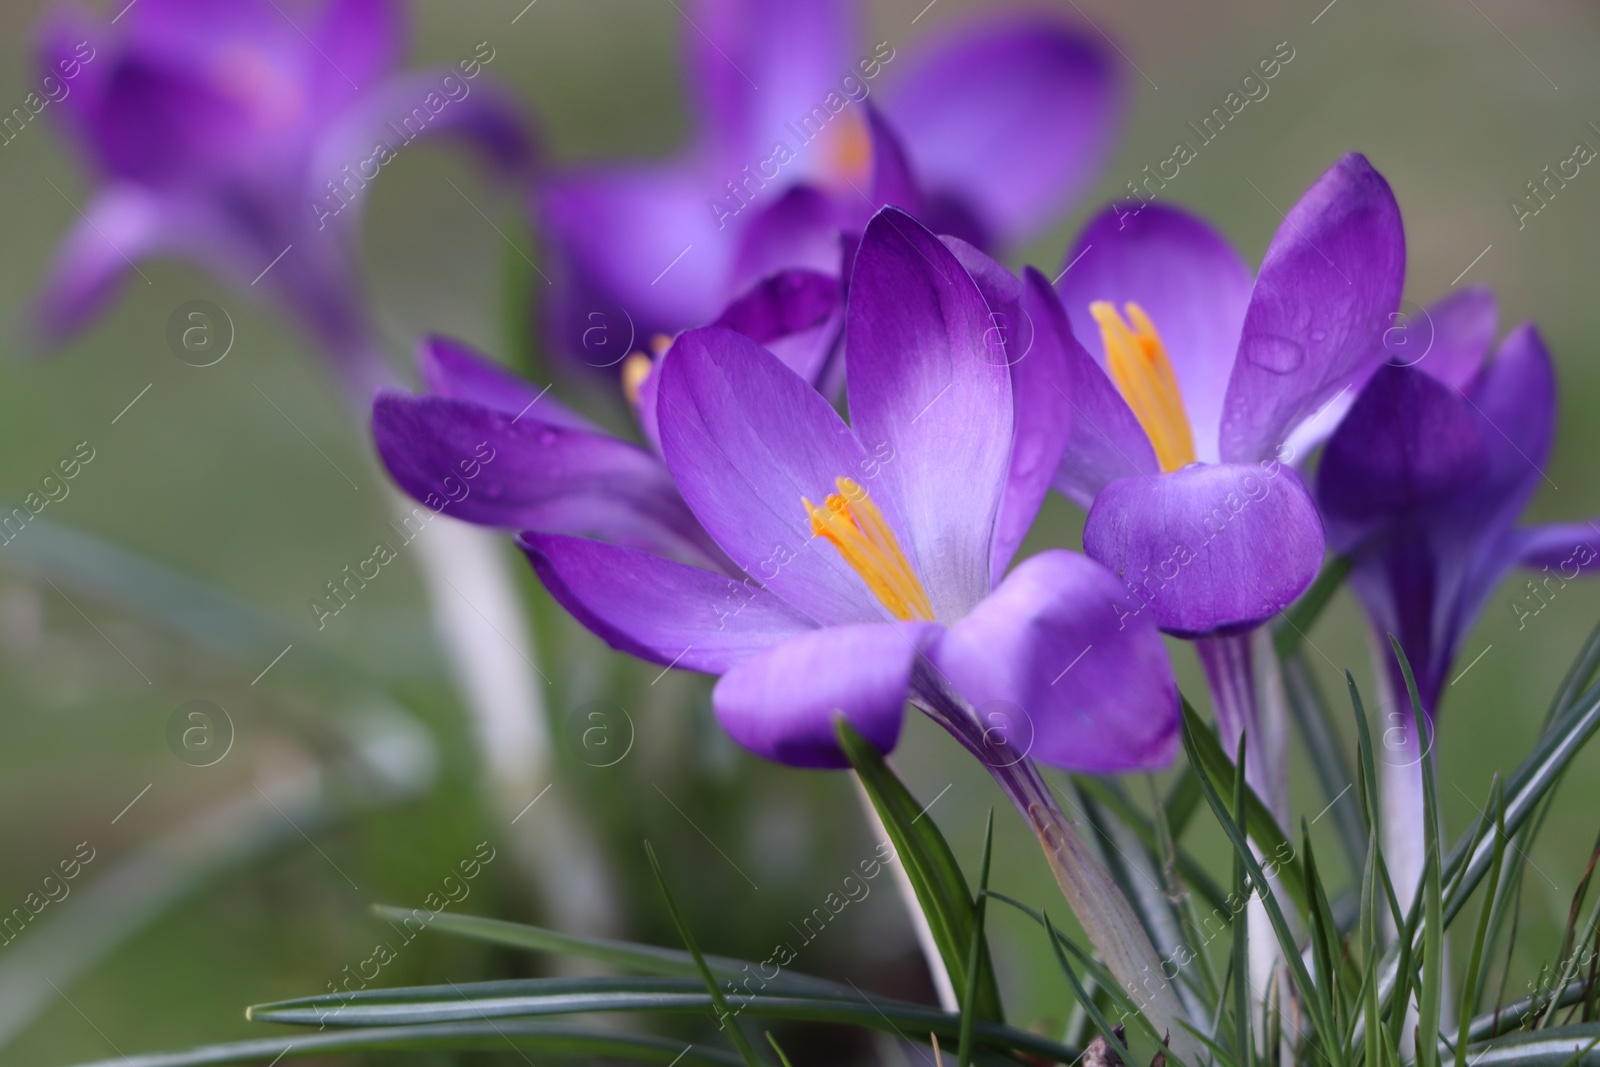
[1277,354]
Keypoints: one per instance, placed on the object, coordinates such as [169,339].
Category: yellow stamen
[848,149]
[635,369]
[1138,364]
[852,523]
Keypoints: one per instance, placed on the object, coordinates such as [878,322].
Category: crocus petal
[925,382]
[783,703]
[1409,442]
[893,183]
[1515,397]
[795,314]
[1568,548]
[658,610]
[69,33]
[1013,119]
[485,466]
[1051,659]
[799,230]
[1327,286]
[642,254]
[1189,280]
[1040,379]
[1209,548]
[452,369]
[123,224]
[391,115]
[759,65]
[1104,441]
[361,41]
[1455,334]
[747,440]
[166,125]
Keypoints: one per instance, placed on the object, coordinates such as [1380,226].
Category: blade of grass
[724,1019]
[784,1060]
[1311,715]
[1101,1023]
[1244,1036]
[1303,613]
[969,995]
[1475,960]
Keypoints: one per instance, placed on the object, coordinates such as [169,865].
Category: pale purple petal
[1187,278]
[1322,301]
[122,225]
[798,230]
[485,466]
[1013,118]
[658,610]
[1052,655]
[1454,334]
[452,369]
[747,440]
[926,384]
[361,41]
[1568,548]
[1210,548]
[1104,441]
[783,703]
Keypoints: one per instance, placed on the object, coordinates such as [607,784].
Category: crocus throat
[854,525]
[1138,363]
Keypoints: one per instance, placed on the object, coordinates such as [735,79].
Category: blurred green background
[1458,102]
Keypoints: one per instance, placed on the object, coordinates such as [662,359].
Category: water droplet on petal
[1318,336]
[1280,355]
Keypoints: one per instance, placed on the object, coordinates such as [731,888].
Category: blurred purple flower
[987,133]
[822,568]
[1423,483]
[1195,382]
[234,133]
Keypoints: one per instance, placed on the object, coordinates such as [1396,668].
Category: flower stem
[1104,913]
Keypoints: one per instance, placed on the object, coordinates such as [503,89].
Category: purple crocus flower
[1422,486]
[237,133]
[985,131]
[1199,380]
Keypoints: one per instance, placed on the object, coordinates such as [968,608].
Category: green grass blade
[725,1020]
[1239,962]
[1532,781]
[778,1050]
[1101,1023]
[1470,985]
[1303,613]
[1565,1046]
[1194,875]
[935,875]
[1314,999]
[969,994]
[538,1038]
[623,955]
[1577,678]
[530,997]
[1311,715]
[1206,755]
[1183,800]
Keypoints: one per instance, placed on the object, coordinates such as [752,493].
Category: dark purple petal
[798,230]
[1209,548]
[122,225]
[1189,280]
[1568,548]
[930,396]
[69,35]
[1011,118]
[1455,333]
[658,610]
[893,182]
[485,466]
[1052,655]
[1104,441]
[747,439]
[1409,442]
[1515,399]
[795,314]
[167,125]
[783,703]
[1323,299]
[452,369]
